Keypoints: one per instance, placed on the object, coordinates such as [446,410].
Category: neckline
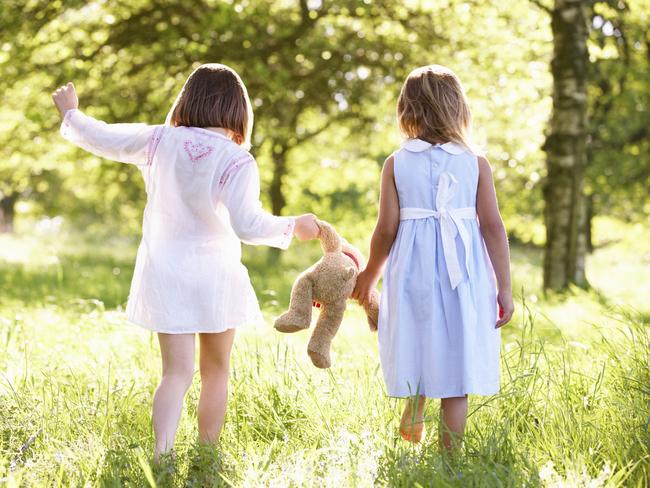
[208,132]
[419,145]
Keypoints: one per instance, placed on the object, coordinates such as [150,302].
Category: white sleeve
[239,190]
[127,143]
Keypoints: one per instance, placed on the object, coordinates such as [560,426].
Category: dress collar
[208,132]
[418,145]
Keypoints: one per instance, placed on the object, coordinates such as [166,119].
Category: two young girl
[437,324]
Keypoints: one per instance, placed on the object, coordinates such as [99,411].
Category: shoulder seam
[236,162]
[156,135]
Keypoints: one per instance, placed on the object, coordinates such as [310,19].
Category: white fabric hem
[193,330]
[452,394]
[287,236]
[66,124]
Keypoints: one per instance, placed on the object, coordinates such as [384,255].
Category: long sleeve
[239,190]
[126,143]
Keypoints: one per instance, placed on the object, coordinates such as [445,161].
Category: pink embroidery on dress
[153,144]
[233,167]
[196,150]
[287,235]
[289,228]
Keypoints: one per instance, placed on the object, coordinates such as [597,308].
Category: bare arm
[383,236]
[496,240]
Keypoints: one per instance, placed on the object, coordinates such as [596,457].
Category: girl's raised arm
[126,143]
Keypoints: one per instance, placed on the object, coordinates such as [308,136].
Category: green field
[76,383]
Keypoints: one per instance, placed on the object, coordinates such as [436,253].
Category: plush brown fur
[329,282]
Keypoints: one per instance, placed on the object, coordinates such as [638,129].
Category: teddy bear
[326,285]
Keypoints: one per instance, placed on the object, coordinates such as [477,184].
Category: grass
[76,384]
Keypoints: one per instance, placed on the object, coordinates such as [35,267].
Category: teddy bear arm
[329,239]
[327,326]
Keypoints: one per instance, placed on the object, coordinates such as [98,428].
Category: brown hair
[214,96]
[432,107]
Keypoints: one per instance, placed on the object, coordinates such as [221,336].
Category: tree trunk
[7,212]
[589,223]
[566,149]
[278,201]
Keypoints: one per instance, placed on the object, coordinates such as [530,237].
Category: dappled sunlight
[559,96]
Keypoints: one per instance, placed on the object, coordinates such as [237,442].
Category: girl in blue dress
[444,247]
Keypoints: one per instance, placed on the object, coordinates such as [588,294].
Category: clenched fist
[306,227]
[65,98]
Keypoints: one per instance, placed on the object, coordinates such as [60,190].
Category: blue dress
[438,309]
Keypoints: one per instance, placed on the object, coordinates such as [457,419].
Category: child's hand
[506,307]
[65,98]
[306,227]
[366,282]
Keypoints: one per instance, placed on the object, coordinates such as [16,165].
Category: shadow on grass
[71,278]
[208,467]
[199,466]
[426,467]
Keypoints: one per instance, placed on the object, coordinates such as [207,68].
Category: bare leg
[412,425]
[453,415]
[177,352]
[215,363]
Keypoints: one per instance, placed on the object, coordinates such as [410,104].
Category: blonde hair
[432,107]
[214,96]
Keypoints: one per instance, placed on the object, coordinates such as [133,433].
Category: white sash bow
[450,225]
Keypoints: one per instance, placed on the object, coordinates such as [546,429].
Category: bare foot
[167,458]
[411,427]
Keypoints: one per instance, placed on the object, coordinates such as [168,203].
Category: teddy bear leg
[321,340]
[298,317]
[372,310]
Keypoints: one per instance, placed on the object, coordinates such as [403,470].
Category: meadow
[76,383]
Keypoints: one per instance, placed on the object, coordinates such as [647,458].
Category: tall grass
[76,384]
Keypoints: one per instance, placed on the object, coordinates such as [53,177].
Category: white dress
[438,309]
[202,201]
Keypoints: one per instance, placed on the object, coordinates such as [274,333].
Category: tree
[597,148]
[566,148]
[324,78]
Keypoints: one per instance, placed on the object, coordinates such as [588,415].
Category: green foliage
[324,78]
[619,169]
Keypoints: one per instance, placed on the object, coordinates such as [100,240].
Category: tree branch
[330,121]
[542,6]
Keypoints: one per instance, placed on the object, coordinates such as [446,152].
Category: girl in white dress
[438,325]
[202,202]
